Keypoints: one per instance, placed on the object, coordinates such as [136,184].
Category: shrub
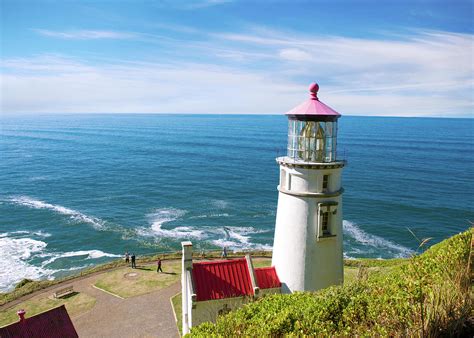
[22,283]
[427,296]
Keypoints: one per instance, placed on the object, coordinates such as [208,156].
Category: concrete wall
[267,292]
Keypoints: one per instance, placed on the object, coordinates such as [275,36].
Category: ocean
[79,190]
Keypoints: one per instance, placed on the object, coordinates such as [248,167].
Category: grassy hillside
[428,295]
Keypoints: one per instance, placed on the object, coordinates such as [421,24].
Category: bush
[427,296]
[22,283]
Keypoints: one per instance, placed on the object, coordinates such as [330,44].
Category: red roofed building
[222,279]
[54,323]
[216,287]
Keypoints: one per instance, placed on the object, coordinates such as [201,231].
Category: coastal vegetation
[426,295]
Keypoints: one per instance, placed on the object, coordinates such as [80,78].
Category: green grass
[261,262]
[372,263]
[177,308]
[75,304]
[148,279]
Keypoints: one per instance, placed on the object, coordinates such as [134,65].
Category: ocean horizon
[81,189]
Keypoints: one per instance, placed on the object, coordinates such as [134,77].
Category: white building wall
[208,311]
[186,285]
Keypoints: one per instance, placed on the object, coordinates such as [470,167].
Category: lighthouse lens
[312,141]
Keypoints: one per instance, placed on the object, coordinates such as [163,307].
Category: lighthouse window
[312,141]
[325,182]
[324,223]
[325,210]
[282,178]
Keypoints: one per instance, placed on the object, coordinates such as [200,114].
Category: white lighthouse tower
[307,249]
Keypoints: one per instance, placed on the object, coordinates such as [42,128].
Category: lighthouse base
[305,259]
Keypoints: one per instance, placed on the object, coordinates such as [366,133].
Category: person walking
[158,268]
[127,257]
[133,261]
[224,252]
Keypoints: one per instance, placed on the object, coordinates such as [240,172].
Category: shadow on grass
[143,268]
[154,269]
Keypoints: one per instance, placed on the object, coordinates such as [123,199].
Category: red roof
[313,107]
[267,278]
[54,323]
[222,279]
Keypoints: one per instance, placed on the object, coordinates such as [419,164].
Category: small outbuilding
[213,288]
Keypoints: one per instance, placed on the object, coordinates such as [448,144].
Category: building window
[325,227]
[325,223]
[282,179]
[325,182]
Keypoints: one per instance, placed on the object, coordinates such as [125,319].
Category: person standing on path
[224,252]
[127,257]
[133,261]
[158,268]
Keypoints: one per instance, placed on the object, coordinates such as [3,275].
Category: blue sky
[397,58]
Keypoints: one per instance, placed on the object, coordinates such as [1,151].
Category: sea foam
[159,217]
[368,241]
[25,257]
[238,238]
[89,254]
[73,214]
[14,265]
[219,204]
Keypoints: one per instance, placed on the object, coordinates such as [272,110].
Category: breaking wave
[210,216]
[88,254]
[73,214]
[14,265]
[159,217]
[25,257]
[238,238]
[219,204]
[232,237]
[364,242]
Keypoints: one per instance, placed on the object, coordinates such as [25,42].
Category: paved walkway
[148,315]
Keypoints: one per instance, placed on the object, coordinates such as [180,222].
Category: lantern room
[312,130]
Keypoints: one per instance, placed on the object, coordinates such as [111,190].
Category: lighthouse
[307,249]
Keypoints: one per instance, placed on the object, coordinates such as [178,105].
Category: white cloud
[294,54]
[426,74]
[137,87]
[85,34]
